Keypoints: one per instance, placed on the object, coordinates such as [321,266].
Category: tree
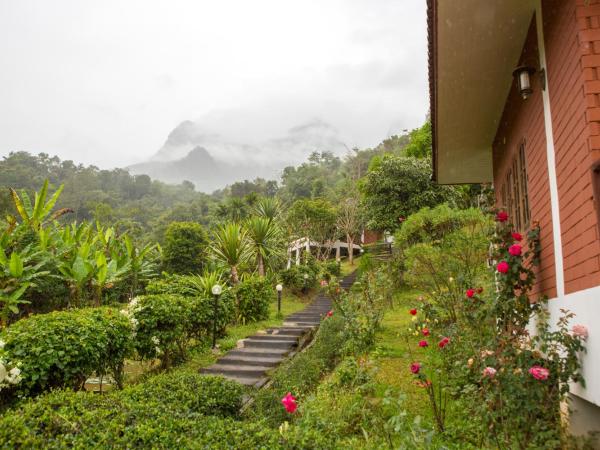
[396,187]
[314,219]
[263,234]
[185,248]
[231,247]
[419,144]
[349,223]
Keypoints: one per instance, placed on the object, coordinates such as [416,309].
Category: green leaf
[16,265]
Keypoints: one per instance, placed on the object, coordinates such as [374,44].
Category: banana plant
[37,214]
[17,274]
[142,262]
[78,271]
[106,274]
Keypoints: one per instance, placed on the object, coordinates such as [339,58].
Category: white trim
[586,306]
[550,156]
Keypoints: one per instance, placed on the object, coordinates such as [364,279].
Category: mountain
[211,160]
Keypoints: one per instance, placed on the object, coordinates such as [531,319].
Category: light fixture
[279,287]
[216,289]
[306,276]
[523,77]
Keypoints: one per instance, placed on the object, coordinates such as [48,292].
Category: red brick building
[542,153]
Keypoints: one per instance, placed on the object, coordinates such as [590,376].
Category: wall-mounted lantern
[523,77]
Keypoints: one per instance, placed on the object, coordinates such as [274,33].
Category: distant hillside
[212,161]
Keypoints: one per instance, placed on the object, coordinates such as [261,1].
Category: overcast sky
[105,81]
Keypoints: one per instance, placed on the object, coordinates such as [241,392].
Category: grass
[392,356]
[346,268]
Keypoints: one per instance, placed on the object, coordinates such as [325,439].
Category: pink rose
[425,331]
[329,313]
[289,403]
[470,293]
[413,312]
[489,372]
[415,367]
[423,343]
[539,372]
[517,237]
[323,283]
[515,250]
[445,341]
[502,267]
[580,331]
[502,216]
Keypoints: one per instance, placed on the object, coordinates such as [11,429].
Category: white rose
[155,340]
[14,376]
[3,373]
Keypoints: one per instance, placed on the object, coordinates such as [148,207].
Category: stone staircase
[255,356]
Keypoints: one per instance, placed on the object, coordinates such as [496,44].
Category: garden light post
[216,291]
[279,288]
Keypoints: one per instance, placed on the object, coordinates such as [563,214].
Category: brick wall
[523,120]
[572,40]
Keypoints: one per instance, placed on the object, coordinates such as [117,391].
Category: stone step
[255,382]
[287,331]
[275,337]
[280,344]
[250,360]
[302,324]
[259,352]
[241,371]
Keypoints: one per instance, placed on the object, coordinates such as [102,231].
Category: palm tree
[267,207]
[263,234]
[231,247]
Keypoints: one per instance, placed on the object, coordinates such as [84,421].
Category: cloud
[105,82]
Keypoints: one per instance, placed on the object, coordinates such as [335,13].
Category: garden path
[255,356]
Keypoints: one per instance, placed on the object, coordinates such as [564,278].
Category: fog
[105,82]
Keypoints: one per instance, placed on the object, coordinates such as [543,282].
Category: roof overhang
[474,45]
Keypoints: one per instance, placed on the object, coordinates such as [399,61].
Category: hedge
[253,296]
[173,410]
[63,349]
[201,307]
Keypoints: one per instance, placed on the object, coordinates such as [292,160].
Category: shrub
[253,297]
[185,247]
[62,349]
[161,323]
[293,277]
[330,269]
[175,410]
[200,320]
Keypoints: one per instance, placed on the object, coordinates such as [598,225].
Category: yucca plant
[201,285]
[268,207]
[231,247]
[263,236]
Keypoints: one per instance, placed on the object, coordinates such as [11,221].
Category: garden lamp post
[305,287]
[216,291]
[279,288]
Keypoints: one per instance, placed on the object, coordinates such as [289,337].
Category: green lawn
[346,268]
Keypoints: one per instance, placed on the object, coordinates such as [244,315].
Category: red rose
[502,216]
[413,312]
[329,313]
[445,341]
[502,267]
[517,237]
[515,250]
[425,331]
[470,293]
[415,367]
[423,343]
[539,373]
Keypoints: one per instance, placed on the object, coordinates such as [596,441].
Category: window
[514,191]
